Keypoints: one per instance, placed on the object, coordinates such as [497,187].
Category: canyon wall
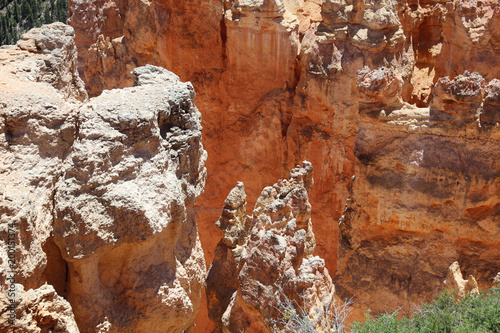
[425,193]
[394,102]
[97,222]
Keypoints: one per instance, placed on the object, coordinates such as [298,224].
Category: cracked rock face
[458,99]
[37,129]
[425,194]
[266,257]
[55,42]
[99,194]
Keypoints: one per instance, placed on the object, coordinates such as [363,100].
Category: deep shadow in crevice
[164,125]
[56,272]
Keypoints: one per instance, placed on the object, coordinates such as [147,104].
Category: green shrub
[472,314]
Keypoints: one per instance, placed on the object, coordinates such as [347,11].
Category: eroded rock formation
[37,127]
[496,280]
[57,50]
[99,194]
[456,283]
[131,178]
[267,257]
[358,87]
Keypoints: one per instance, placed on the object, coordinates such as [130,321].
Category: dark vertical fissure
[56,271]
[223,37]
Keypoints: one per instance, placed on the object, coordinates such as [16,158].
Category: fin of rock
[266,258]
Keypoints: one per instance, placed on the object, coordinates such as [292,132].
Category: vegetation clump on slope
[478,314]
[473,314]
[19,16]
[331,317]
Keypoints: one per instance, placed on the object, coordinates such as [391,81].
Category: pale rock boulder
[234,222]
[56,43]
[466,99]
[124,216]
[455,281]
[457,100]
[496,280]
[99,194]
[379,89]
[368,25]
[37,129]
[266,258]
[39,88]
[39,310]
[491,104]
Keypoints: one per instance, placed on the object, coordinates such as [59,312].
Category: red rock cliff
[329,81]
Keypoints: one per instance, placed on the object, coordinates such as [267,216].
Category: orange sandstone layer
[278,82]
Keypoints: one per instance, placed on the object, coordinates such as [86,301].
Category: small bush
[329,318]
[472,314]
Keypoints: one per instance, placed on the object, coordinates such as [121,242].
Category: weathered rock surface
[455,282]
[496,280]
[242,60]
[425,194]
[491,105]
[99,194]
[266,257]
[37,129]
[457,101]
[38,310]
[56,45]
[334,82]
[130,180]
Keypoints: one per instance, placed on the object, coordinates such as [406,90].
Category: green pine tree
[17,9]
[62,10]
[25,8]
[46,14]
[18,16]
